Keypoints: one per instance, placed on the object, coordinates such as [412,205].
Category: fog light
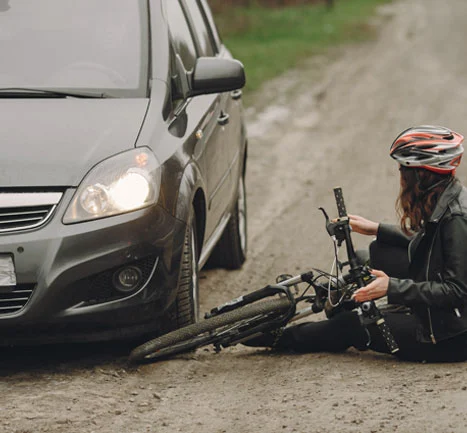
[127,279]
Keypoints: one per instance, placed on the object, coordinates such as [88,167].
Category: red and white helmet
[434,148]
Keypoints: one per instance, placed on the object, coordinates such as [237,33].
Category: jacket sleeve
[449,289]
[392,235]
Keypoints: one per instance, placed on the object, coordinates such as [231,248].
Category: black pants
[344,329]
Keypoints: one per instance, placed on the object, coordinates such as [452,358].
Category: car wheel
[186,307]
[231,249]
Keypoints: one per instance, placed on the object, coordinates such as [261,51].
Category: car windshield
[89,46]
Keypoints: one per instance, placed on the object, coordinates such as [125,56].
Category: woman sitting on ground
[420,265]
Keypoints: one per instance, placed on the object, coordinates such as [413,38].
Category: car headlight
[123,183]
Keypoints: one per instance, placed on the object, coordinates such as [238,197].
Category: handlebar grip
[340,202]
[387,335]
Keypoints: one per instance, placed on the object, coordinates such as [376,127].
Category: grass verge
[271,40]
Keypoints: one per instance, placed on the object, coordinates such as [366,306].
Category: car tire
[185,310]
[230,252]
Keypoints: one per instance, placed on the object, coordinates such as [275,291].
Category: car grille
[22,211]
[11,301]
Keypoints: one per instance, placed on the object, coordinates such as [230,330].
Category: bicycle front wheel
[206,332]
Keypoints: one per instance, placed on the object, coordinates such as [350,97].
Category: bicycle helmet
[434,148]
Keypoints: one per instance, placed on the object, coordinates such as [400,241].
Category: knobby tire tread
[187,333]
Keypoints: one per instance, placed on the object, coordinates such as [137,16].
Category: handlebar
[368,311]
[342,211]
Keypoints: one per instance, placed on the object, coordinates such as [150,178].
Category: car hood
[55,142]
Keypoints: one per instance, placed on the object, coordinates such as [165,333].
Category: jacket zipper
[456,310]
[432,334]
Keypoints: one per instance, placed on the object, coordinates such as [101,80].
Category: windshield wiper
[23,92]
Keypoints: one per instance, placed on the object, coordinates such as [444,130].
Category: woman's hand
[363,226]
[375,290]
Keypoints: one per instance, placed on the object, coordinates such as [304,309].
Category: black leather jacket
[436,287]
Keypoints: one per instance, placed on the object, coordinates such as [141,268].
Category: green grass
[271,40]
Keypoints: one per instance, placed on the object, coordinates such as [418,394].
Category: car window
[202,33]
[182,40]
[212,25]
[75,45]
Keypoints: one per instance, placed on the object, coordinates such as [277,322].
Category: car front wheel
[186,308]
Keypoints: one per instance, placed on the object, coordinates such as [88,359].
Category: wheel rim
[241,204]
[194,277]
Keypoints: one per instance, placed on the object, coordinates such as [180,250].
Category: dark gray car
[122,171]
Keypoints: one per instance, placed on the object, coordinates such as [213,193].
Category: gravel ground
[328,123]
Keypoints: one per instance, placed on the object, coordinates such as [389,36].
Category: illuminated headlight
[123,183]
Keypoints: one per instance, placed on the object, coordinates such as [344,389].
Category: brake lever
[336,229]
[330,226]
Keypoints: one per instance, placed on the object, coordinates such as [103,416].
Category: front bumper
[70,269]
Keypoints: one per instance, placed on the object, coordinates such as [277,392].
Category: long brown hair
[419,192]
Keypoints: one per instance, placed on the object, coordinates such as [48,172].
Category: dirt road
[329,123]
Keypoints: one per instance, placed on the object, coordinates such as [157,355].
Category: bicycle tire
[192,336]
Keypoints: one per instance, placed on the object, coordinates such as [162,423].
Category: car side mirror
[215,75]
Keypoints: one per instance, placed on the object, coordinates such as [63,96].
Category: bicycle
[275,306]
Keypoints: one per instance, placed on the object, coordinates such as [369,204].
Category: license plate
[7,271]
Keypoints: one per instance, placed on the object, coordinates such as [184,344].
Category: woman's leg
[334,335]
[344,330]
[404,329]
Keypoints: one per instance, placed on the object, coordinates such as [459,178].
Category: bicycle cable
[335,264]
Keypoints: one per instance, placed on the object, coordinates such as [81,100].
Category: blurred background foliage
[271,36]
[219,5]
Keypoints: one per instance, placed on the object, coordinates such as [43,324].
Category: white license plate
[7,271]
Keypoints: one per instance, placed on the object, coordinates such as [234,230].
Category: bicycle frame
[340,231]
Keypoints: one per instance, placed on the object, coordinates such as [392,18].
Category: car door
[205,115]
[232,103]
